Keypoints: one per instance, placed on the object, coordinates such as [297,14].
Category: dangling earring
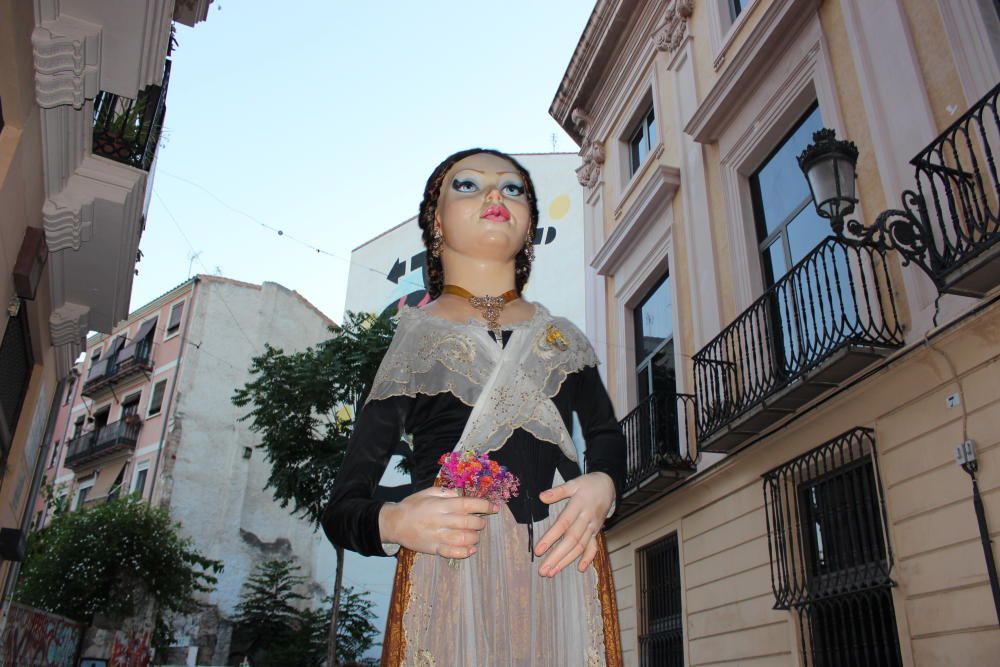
[436,241]
[529,248]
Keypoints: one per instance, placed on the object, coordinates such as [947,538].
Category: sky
[324,119]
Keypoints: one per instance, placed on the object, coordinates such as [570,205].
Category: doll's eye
[464,185]
[512,189]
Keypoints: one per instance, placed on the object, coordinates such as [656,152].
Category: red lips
[496,213]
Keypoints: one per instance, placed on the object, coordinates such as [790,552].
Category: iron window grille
[830,556]
[661,634]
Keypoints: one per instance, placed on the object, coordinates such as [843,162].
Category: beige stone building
[82,98]
[793,400]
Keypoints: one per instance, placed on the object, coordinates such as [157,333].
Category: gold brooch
[555,338]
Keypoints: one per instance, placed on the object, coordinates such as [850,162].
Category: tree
[277,634]
[302,405]
[266,614]
[89,561]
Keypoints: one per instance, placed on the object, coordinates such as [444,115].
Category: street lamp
[829,165]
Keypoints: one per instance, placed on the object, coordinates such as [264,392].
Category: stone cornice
[656,193]
[602,30]
[777,26]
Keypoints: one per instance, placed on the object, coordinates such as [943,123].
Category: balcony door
[788,230]
[656,377]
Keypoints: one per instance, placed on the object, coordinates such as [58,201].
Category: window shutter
[175,317]
[15,372]
[156,401]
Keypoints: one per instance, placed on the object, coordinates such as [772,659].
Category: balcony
[127,130]
[825,320]
[109,439]
[951,223]
[660,451]
[105,373]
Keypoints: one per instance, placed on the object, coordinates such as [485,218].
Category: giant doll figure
[480,368]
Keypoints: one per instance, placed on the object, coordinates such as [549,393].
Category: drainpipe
[173,388]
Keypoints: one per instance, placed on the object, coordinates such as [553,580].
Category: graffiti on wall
[34,638]
[131,650]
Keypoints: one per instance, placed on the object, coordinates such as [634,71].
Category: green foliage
[89,561]
[355,630]
[279,635]
[266,611]
[294,401]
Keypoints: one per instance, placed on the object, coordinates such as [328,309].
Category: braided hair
[428,209]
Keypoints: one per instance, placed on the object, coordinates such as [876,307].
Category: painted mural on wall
[34,638]
[388,272]
[131,650]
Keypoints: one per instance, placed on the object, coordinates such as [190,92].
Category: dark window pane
[661,639]
[654,320]
[16,363]
[805,231]
[783,186]
[156,402]
[735,9]
[662,366]
[651,129]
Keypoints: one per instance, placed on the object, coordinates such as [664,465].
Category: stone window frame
[723,30]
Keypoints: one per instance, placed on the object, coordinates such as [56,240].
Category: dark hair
[428,208]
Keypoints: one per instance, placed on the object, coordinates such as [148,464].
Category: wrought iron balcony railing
[111,438]
[950,225]
[831,315]
[660,448]
[127,130]
[103,373]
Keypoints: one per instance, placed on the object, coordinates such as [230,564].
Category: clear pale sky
[323,119]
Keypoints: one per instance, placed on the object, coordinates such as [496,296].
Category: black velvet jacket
[436,423]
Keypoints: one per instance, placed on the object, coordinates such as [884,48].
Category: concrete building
[82,97]
[150,413]
[793,400]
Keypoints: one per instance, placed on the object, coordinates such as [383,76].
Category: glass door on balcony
[656,383]
[789,229]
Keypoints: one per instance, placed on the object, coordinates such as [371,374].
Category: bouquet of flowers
[478,476]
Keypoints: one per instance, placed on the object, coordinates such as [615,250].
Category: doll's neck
[480,277]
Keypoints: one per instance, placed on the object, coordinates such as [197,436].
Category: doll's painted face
[483,211]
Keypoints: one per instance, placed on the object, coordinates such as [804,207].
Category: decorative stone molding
[67,227]
[67,55]
[68,324]
[589,173]
[669,36]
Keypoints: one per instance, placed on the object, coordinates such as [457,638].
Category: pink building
[150,413]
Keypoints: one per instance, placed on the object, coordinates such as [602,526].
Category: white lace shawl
[430,355]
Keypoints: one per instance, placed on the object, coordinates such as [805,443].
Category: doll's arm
[605,443]
[351,517]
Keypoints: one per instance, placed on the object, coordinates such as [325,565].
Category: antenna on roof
[553,142]
[194,256]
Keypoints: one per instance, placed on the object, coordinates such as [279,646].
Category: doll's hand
[435,521]
[590,496]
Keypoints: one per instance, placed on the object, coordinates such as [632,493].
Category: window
[830,560]
[77,426]
[55,453]
[71,389]
[83,490]
[788,227]
[661,635]
[156,401]
[174,323]
[641,140]
[654,341]
[139,482]
[735,9]
[95,356]
[16,363]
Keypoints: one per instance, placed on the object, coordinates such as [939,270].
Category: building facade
[150,413]
[82,99]
[795,399]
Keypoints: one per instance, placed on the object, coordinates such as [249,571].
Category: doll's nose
[494,195]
